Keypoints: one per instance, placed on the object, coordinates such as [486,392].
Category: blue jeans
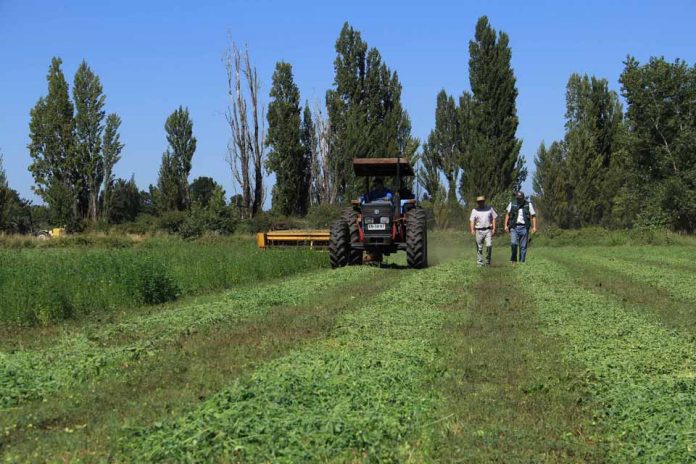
[519,236]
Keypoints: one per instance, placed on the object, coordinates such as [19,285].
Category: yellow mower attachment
[313,239]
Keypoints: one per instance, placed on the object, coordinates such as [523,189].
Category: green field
[584,354]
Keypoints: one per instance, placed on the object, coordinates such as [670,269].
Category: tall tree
[429,172]
[493,164]
[575,178]
[444,142]
[89,124]
[246,150]
[287,157]
[176,161]
[111,154]
[593,120]
[551,188]
[365,112]
[52,146]
[661,98]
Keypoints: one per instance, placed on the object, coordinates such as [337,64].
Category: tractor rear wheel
[417,239]
[351,217]
[339,244]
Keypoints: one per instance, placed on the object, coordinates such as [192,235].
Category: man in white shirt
[520,217]
[482,226]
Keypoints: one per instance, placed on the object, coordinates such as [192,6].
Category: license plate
[376,227]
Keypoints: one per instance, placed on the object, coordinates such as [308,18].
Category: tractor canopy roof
[382,167]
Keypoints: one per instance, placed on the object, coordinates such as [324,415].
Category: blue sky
[155,55]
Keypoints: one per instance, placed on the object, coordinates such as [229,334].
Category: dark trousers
[519,237]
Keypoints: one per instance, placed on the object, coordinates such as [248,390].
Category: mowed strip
[92,351]
[671,279]
[642,374]
[358,395]
[650,296]
[508,395]
[85,422]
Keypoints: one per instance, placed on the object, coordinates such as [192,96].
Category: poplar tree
[365,112]
[444,142]
[111,151]
[288,159]
[176,161]
[493,163]
[89,125]
[52,147]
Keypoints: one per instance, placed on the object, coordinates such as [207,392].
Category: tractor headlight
[369,220]
[384,220]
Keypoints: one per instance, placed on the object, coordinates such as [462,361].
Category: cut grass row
[650,297]
[642,374]
[356,396]
[673,280]
[93,350]
[48,285]
[85,422]
[509,395]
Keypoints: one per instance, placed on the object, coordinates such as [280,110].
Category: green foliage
[171,221]
[172,183]
[492,164]
[155,285]
[553,236]
[321,216]
[661,98]
[365,111]
[17,216]
[202,189]
[105,274]
[289,159]
[125,201]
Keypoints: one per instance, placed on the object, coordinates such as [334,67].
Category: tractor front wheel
[339,244]
[417,239]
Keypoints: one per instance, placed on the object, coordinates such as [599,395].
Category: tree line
[624,168]
[613,168]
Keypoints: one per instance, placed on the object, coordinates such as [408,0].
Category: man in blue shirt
[379,191]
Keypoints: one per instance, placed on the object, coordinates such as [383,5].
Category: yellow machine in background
[313,239]
[53,233]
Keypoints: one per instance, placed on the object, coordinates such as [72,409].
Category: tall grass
[42,285]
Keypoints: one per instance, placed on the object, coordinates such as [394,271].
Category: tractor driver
[378,192]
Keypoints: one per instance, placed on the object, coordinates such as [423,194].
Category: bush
[156,286]
[171,221]
[202,220]
[259,223]
[144,224]
[321,216]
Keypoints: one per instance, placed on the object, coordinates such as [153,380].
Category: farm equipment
[371,230]
[313,239]
[46,234]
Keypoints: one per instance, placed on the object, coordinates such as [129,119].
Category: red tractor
[381,222]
